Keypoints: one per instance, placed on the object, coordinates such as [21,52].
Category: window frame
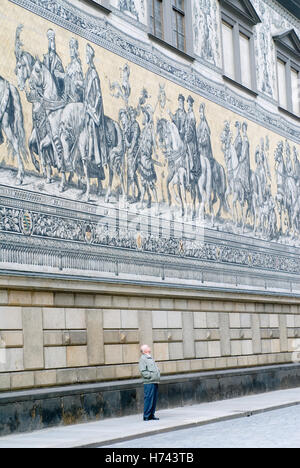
[240,26]
[104,5]
[168,26]
[290,62]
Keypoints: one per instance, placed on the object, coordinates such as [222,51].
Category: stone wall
[56,337]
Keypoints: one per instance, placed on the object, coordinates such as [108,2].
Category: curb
[238,415]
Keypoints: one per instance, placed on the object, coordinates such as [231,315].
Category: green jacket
[149,370]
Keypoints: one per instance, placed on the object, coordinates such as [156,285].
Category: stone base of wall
[37,409]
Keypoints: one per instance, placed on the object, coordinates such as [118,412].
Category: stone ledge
[10,397]
[26,411]
[106,288]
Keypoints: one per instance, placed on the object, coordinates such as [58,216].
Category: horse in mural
[74,139]
[174,151]
[219,186]
[235,184]
[12,124]
[288,194]
[59,137]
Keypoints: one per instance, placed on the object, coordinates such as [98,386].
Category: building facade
[149,187]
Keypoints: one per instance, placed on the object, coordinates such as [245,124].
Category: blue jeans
[150,400]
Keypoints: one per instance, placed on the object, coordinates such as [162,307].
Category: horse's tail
[18,124]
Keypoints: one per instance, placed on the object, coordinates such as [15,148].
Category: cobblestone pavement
[274,429]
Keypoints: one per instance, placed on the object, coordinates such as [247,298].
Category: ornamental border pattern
[105,35]
[86,233]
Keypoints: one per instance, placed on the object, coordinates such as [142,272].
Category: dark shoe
[154,418]
[147,419]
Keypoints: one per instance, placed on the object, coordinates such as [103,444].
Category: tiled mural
[152,163]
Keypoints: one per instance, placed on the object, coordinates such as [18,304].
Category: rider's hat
[51,34]
[90,50]
[190,99]
[181,98]
[74,43]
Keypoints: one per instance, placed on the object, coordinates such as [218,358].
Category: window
[178,24]
[238,19]
[157,18]
[282,90]
[171,24]
[295,75]
[228,49]
[288,71]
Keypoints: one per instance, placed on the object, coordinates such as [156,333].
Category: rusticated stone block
[75,338]
[84,300]
[45,378]
[55,357]
[123,372]
[160,319]
[5,382]
[214,349]
[201,349]
[20,298]
[200,320]
[88,374]
[106,373]
[11,360]
[145,327]
[174,319]
[11,318]
[131,353]
[33,338]
[42,298]
[129,319]
[54,319]
[112,319]
[3,297]
[175,351]
[66,376]
[22,380]
[235,320]
[113,354]
[75,319]
[103,301]
[236,348]
[213,320]
[64,299]
[95,337]
[161,351]
[12,339]
[77,356]
[53,338]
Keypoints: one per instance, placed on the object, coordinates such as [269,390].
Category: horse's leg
[142,198]
[15,145]
[34,151]
[203,197]
[111,176]
[87,180]
[156,200]
[181,199]
[194,200]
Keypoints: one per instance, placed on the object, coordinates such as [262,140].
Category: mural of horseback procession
[139,156]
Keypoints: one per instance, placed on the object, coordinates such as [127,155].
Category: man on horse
[95,124]
[193,162]
[179,118]
[74,79]
[54,64]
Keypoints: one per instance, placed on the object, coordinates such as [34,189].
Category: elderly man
[151,377]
